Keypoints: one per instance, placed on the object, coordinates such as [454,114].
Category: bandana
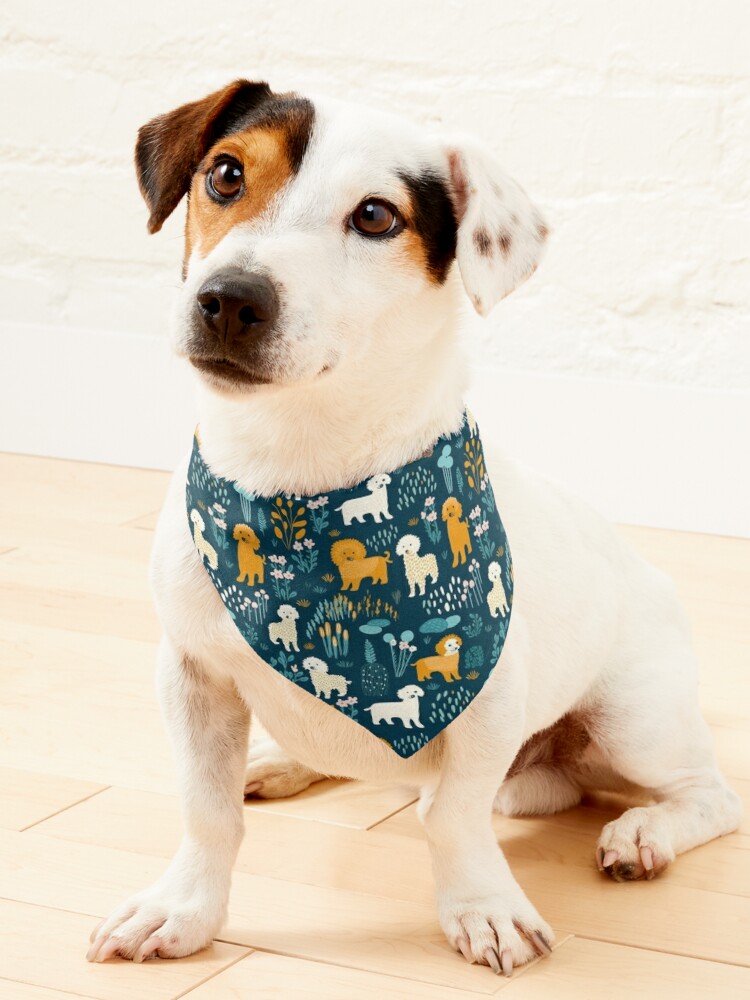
[389,601]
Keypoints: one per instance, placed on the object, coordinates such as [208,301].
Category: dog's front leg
[183,910]
[484,912]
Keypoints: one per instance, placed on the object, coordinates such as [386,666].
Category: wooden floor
[332,894]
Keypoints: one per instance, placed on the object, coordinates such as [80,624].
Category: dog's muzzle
[234,312]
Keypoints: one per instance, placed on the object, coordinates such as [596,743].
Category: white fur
[594,629]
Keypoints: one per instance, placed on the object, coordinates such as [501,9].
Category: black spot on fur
[482,242]
[292,114]
[433,219]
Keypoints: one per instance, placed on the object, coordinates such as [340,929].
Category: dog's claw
[107,950]
[94,949]
[493,961]
[609,858]
[253,786]
[541,943]
[95,933]
[647,860]
[463,947]
[600,858]
[506,963]
[149,949]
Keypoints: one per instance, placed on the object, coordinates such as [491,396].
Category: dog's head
[494,572]
[347,550]
[197,520]
[448,645]
[244,533]
[410,692]
[378,482]
[315,663]
[452,508]
[408,545]
[318,231]
[287,613]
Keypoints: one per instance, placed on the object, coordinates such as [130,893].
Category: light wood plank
[27,798]
[46,947]
[276,977]
[85,491]
[147,522]
[583,968]
[27,991]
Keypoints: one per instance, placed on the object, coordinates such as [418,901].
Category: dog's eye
[224,181]
[374,217]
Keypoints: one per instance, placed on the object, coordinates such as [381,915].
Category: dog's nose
[233,304]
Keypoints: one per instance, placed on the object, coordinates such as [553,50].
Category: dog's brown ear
[170,147]
[501,234]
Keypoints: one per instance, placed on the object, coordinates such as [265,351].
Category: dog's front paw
[156,924]
[502,932]
[272,774]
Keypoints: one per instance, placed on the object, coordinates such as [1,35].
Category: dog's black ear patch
[170,147]
[434,219]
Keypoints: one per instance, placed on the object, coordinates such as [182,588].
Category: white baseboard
[657,455]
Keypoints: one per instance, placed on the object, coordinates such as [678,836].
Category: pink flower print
[221,510]
[297,546]
[432,516]
[475,513]
[429,501]
[220,524]
[288,575]
[277,574]
[308,543]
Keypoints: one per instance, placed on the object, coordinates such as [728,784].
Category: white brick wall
[628,122]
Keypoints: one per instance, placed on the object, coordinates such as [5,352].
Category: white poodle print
[417,567]
[205,549]
[286,629]
[374,503]
[324,683]
[496,599]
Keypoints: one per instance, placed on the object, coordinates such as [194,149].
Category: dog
[206,549]
[374,503]
[418,568]
[285,630]
[407,709]
[327,250]
[350,557]
[251,565]
[445,662]
[497,602]
[324,683]
[458,530]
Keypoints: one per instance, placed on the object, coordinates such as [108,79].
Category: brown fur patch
[561,745]
[264,155]
[482,242]
[542,231]
[504,241]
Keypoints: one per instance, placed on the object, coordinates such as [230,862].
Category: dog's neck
[341,428]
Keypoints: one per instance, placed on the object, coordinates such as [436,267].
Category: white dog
[407,709]
[331,233]
[286,629]
[204,548]
[324,683]
[418,568]
[375,502]
[497,602]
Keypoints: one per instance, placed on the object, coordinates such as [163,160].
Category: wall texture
[628,122]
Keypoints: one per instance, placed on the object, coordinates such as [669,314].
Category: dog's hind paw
[636,845]
[272,774]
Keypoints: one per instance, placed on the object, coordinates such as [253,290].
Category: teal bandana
[390,601]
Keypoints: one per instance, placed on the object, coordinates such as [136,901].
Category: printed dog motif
[350,558]
[286,629]
[417,567]
[496,599]
[445,663]
[324,683]
[407,709]
[205,549]
[375,502]
[251,564]
[458,530]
